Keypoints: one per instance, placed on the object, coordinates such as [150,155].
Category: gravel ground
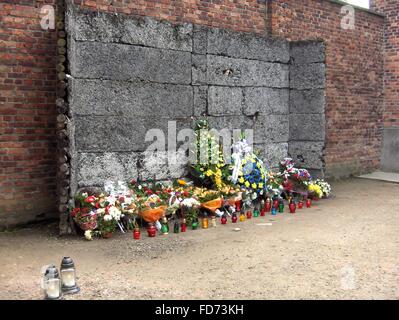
[346,247]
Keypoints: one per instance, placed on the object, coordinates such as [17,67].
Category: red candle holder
[308,203]
[292,207]
[183,227]
[276,203]
[300,204]
[223,220]
[268,205]
[263,212]
[136,234]
[151,230]
[234,218]
[238,205]
[249,214]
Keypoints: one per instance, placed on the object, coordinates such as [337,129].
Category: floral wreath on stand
[248,173]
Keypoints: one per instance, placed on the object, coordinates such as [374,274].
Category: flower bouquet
[151,200]
[108,219]
[210,169]
[324,186]
[295,180]
[84,213]
[248,172]
[210,199]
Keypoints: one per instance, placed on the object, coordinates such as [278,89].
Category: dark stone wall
[129,74]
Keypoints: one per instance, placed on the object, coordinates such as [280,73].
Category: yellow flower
[241,180]
[254,185]
[209,173]
[244,161]
[258,165]
[260,185]
[247,184]
[181,182]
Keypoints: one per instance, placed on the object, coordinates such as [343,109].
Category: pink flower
[90,199]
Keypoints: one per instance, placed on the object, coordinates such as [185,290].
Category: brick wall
[354,78]
[240,15]
[27,113]
[391,76]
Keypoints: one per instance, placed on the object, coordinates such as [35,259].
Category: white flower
[100,211]
[111,200]
[190,202]
[88,235]
[107,217]
[115,213]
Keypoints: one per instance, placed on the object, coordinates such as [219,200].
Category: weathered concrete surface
[104,97]
[308,76]
[95,60]
[307,127]
[307,101]
[272,128]
[162,165]
[272,154]
[225,101]
[105,27]
[246,46]
[242,72]
[390,150]
[305,52]
[118,133]
[308,154]
[96,168]
[265,101]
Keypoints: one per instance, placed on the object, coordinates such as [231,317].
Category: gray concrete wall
[307,105]
[132,74]
[390,150]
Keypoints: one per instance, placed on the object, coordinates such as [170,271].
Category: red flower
[185,193]
[133,181]
[97,205]
[149,192]
[90,199]
[121,199]
[74,212]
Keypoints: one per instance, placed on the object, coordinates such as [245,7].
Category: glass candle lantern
[249,214]
[281,206]
[238,205]
[136,234]
[183,225]
[213,221]
[151,230]
[176,227]
[275,203]
[68,276]
[223,220]
[300,204]
[308,203]
[268,205]
[165,226]
[52,284]
[194,224]
[256,213]
[242,217]
[234,218]
[292,207]
[274,211]
[205,222]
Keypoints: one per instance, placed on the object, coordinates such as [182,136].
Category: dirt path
[342,248]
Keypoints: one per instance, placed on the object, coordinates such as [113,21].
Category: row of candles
[55,283]
[270,206]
